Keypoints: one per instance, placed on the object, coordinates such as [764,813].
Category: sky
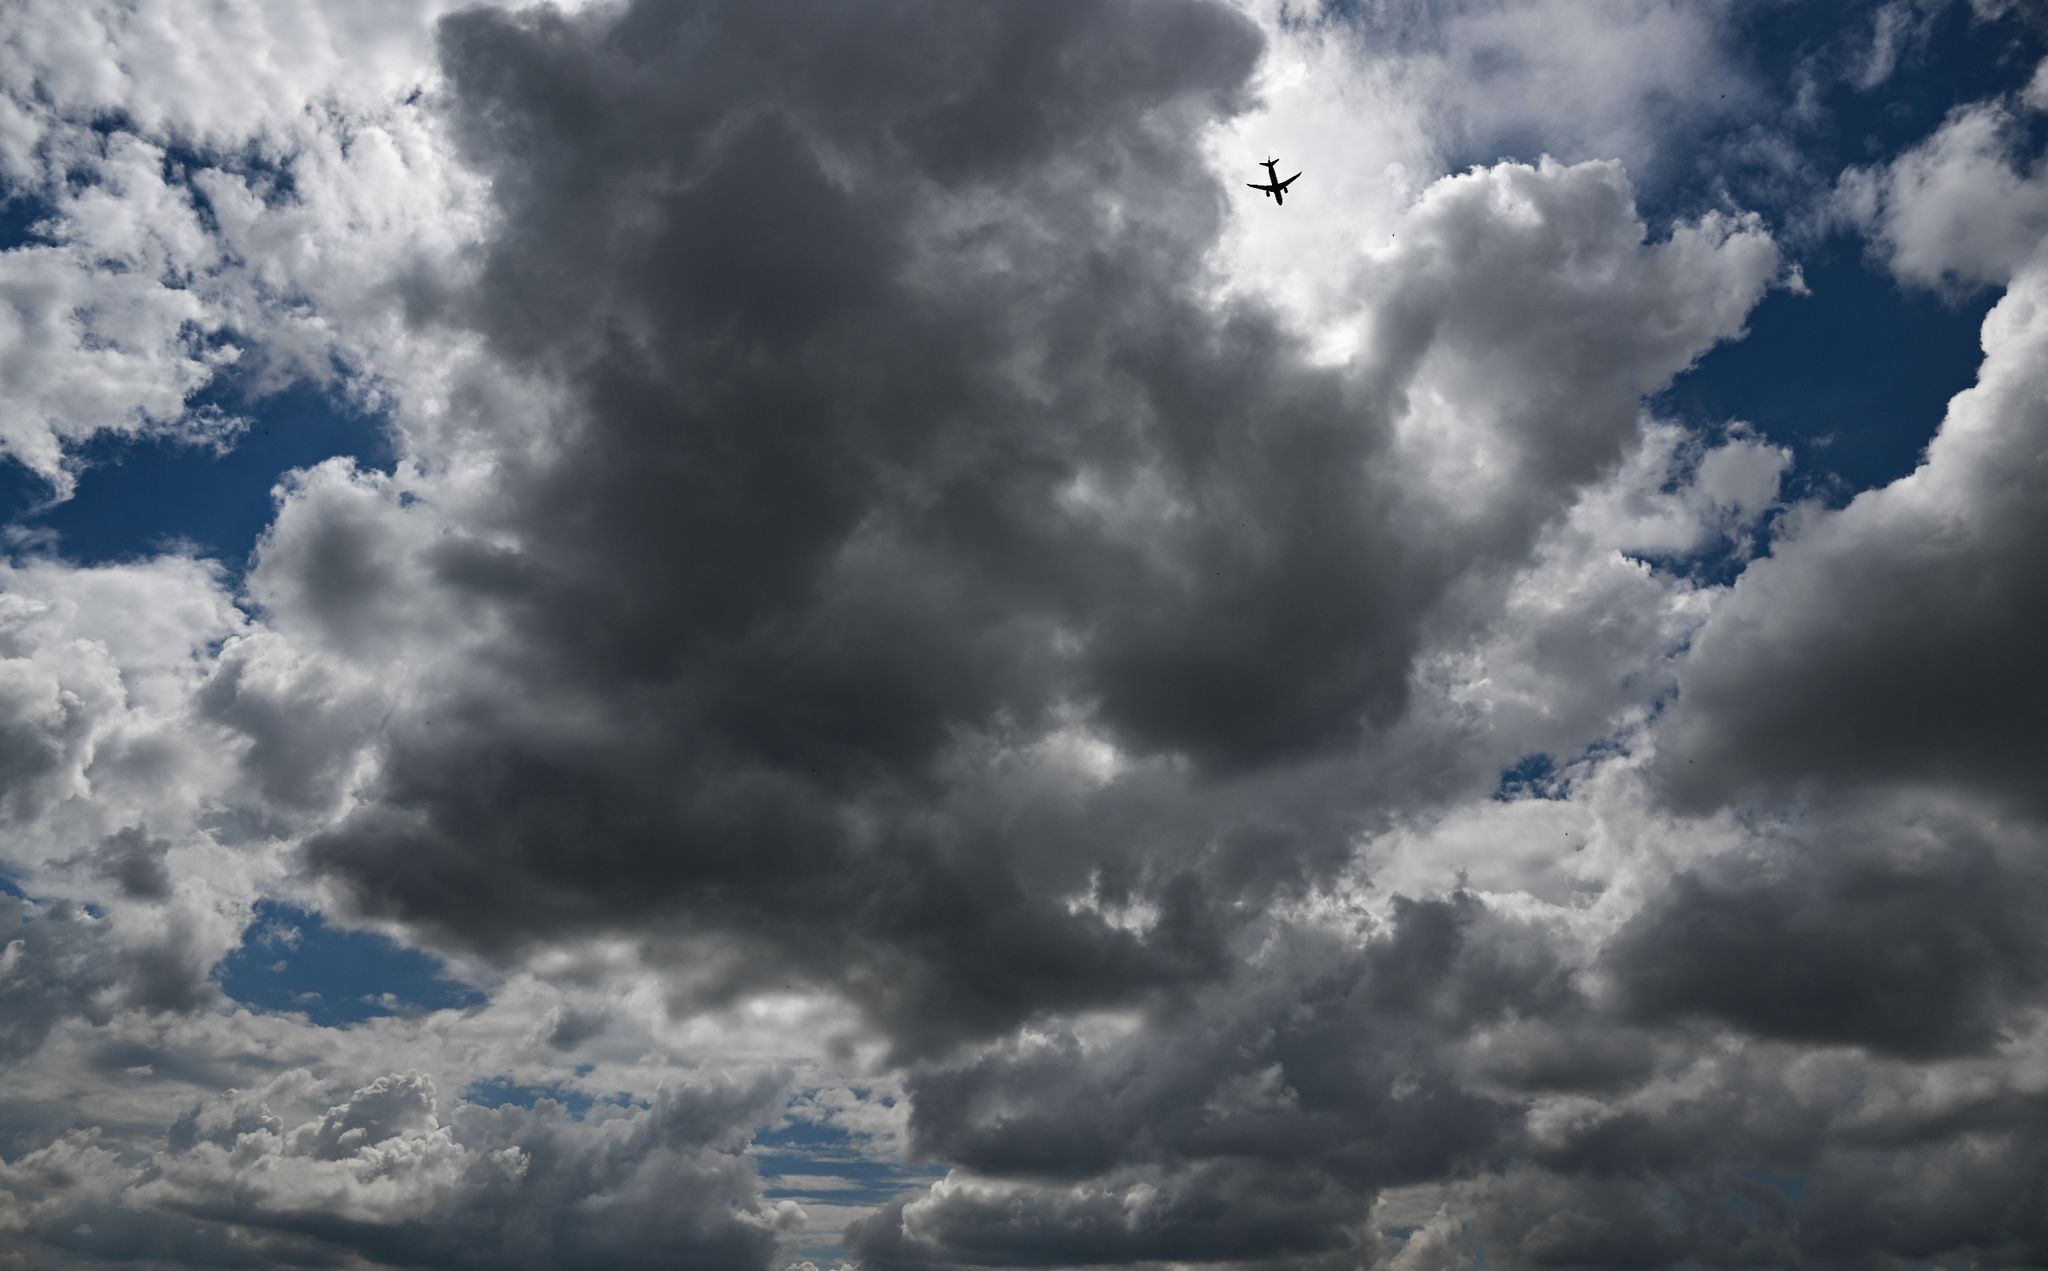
[702,634]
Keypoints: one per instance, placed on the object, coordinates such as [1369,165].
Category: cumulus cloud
[1317,1078]
[1963,209]
[383,1175]
[188,243]
[939,491]
[99,667]
[100,329]
[1886,642]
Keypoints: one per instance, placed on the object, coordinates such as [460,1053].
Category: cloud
[902,618]
[135,862]
[1886,642]
[44,976]
[1549,76]
[384,1175]
[939,492]
[97,668]
[1919,947]
[1894,33]
[99,327]
[1960,210]
[190,247]
[1320,1076]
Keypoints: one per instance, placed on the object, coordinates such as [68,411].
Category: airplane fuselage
[1275,189]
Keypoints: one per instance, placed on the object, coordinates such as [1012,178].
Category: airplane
[1277,189]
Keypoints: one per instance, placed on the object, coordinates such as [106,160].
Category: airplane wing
[1290,180]
[1259,187]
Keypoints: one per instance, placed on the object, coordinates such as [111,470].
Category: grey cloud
[1886,946]
[48,978]
[167,969]
[1541,1220]
[385,1177]
[911,585]
[67,961]
[898,428]
[1892,642]
[1419,1058]
[890,440]
[810,506]
[47,718]
[1215,1213]
[134,861]
[1326,1074]
[1939,1201]
[566,1028]
[301,724]
[898,930]
[1756,1170]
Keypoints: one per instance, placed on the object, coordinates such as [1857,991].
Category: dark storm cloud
[1916,951]
[1313,1083]
[900,926]
[905,582]
[1213,1213]
[1976,1197]
[842,346]
[1894,642]
[1337,1071]
[893,454]
[1684,1218]
[1829,1169]
[818,472]
[900,428]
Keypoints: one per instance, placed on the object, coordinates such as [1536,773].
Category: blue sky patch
[806,1149]
[812,1163]
[138,496]
[1963,58]
[291,960]
[497,1092]
[1532,777]
[19,214]
[1854,377]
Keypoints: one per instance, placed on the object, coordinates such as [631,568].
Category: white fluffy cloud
[271,228]
[100,329]
[1965,208]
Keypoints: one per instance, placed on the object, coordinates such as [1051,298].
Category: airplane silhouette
[1277,189]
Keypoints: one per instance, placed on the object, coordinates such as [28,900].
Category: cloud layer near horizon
[903,618]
